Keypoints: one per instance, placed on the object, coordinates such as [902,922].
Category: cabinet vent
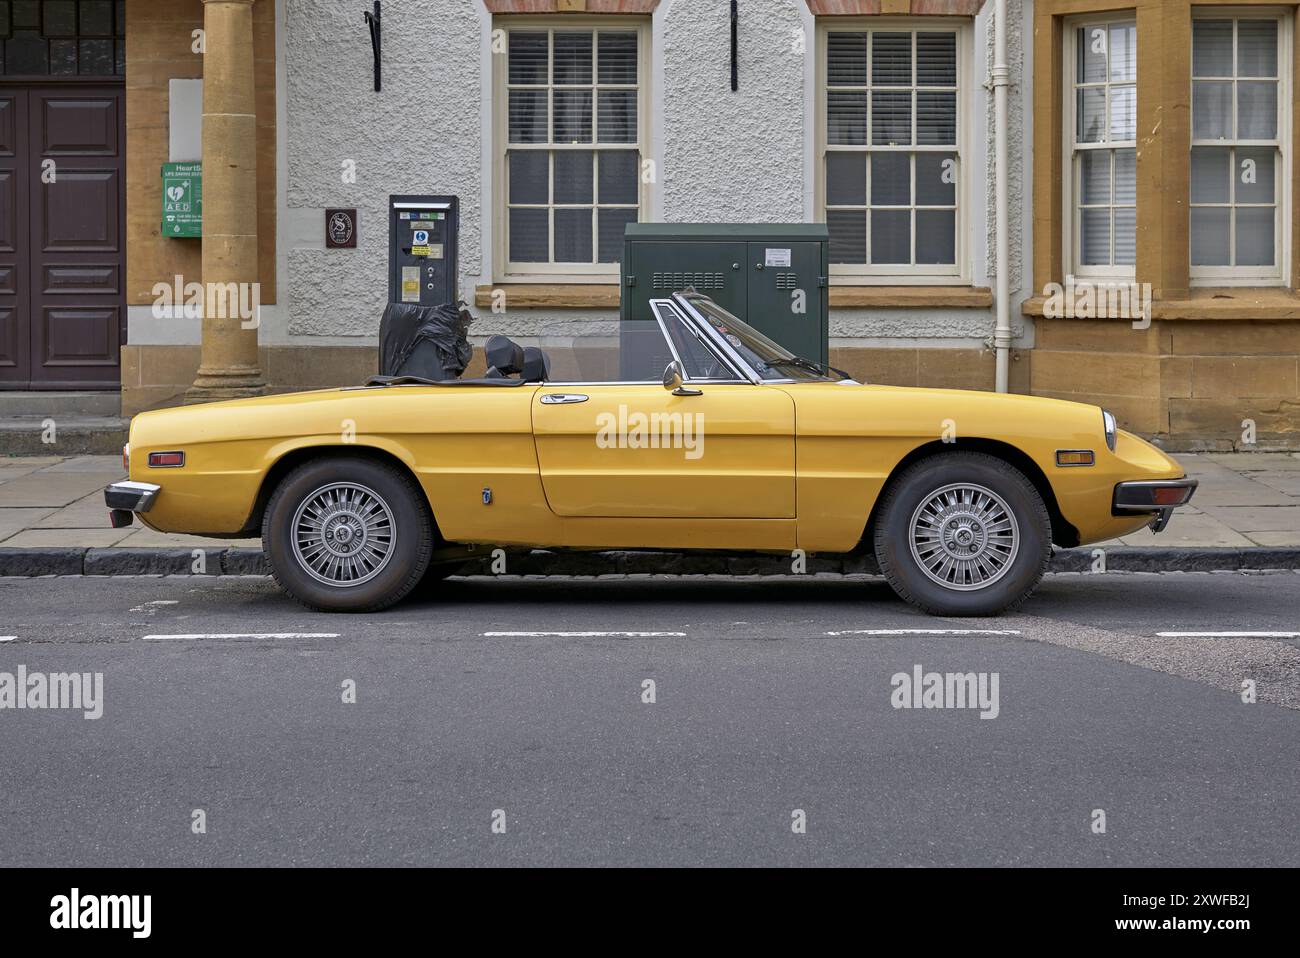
[702,282]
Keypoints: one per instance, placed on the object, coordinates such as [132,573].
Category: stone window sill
[606,296]
[1208,303]
[551,295]
[932,297]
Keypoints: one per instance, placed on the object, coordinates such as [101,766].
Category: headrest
[505,355]
[537,365]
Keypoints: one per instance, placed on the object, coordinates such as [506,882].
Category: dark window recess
[27,14]
[27,53]
[96,57]
[62,38]
[60,18]
[96,18]
[63,57]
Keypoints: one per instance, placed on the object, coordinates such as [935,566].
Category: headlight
[1108,423]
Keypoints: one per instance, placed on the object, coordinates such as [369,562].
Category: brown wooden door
[61,327]
[15,349]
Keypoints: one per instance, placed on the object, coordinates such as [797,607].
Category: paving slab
[66,538]
[1199,530]
[13,521]
[109,464]
[1237,490]
[1284,481]
[9,472]
[142,538]
[1250,519]
[1250,461]
[44,488]
[29,460]
[1287,537]
[88,512]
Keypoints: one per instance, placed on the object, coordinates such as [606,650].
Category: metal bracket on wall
[373,21]
[735,17]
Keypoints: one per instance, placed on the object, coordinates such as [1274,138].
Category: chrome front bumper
[128,496]
[1161,496]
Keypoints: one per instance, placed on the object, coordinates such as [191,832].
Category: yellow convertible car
[732,444]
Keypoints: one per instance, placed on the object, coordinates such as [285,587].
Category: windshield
[769,360]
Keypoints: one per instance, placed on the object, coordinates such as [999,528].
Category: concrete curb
[230,561]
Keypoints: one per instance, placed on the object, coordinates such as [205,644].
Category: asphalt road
[776,696]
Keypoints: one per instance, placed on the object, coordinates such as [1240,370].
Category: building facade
[1142,270]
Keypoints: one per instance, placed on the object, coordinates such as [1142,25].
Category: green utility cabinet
[755,270]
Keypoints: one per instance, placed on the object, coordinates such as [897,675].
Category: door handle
[562,399]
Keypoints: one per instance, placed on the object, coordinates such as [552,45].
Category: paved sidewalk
[56,503]
[1245,501]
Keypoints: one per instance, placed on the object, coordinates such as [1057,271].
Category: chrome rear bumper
[131,496]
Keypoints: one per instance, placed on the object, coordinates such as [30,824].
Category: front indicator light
[1075,457]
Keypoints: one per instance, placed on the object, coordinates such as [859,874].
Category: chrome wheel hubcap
[343,534]
[964,537]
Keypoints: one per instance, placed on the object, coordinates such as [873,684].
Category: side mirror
[673,381]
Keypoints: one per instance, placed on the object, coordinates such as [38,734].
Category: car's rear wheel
[347,534]
[963,533]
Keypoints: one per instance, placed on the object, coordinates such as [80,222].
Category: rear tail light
[166,460]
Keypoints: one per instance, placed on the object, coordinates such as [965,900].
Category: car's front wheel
[347,534]
[963,533]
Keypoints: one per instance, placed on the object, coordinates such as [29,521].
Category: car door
[722,447]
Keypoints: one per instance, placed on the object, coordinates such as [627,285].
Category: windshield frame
[686,301]
[738,372]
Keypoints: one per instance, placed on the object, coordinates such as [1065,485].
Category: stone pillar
[228,368]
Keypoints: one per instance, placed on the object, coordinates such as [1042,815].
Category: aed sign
[182,199]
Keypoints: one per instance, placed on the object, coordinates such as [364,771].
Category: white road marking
[578,635]
[1229,635]
[926,632]
[243,635]
[7,638]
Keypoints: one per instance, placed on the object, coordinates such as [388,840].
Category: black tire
[402,509]
[909,503]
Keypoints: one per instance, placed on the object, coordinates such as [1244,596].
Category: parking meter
[422,234]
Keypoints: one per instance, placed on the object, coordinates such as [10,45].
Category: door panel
[79,125]
[772,291]
[15,324]
[638,451]
[75,312]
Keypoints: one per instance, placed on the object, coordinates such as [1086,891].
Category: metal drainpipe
[1000,79]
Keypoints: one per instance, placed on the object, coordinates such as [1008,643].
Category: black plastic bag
[424,341]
